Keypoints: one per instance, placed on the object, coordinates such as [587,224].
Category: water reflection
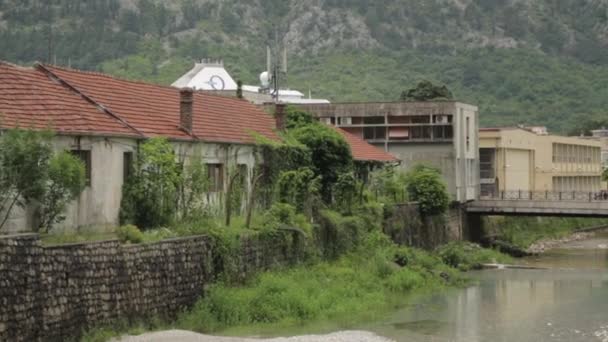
[568,303]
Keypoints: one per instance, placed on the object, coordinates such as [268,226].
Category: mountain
[522,61]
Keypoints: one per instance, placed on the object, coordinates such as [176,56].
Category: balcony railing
[578,196]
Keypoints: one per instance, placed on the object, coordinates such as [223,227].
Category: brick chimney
[186,101]
[280,116]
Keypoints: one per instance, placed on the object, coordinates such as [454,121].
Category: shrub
[426,187]
[24,158]
[466,256]
[66,180]
[150,195]
[129,234]
[331,155]
[404,280]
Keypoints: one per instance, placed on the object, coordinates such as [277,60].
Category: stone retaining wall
[54,293]
[407,227]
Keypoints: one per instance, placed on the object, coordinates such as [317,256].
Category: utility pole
[277,65]
[49,58]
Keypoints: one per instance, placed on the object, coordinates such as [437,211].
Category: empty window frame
[215,172]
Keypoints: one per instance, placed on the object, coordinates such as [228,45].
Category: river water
[567,302]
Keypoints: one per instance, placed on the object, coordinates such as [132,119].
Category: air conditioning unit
[442,119]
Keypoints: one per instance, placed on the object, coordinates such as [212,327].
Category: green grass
[356,286]
[466,256]
[60,238]
[364,284]
[524,231]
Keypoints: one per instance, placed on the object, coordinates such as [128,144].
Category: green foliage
[352,287]
[283,216]
[299,188]
[584,127]
[80,236]
[388,185]
[426,187]
[524,231]
[278,157]
[129,234]
[192,186]
[337,234]
[150,195]
[296,118]
[345,192]
[427,91]
[66,180]
[466,256]
[24,159]
[31,173]
[330,154]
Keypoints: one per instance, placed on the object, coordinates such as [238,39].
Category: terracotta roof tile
[154,109]
[363,151]
[30,99]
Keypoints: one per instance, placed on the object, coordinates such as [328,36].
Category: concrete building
[103,120]
[518,159]
[439,134]
[210,76]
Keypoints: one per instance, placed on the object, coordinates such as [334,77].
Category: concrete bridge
[545,203]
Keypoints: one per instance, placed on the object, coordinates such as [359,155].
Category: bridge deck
[597,208]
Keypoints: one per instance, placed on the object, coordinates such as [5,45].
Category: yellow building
[518,159]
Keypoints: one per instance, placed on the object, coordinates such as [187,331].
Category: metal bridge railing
[579,196]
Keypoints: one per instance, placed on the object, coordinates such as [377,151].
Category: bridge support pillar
[473,228]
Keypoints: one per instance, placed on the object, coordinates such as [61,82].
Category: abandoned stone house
[103,120]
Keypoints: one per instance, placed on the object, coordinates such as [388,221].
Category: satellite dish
[265,79]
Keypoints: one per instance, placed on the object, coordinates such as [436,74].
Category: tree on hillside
[585,127]
[426,91]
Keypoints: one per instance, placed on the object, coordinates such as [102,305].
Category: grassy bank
[524,231]
[359,283]
[359,286]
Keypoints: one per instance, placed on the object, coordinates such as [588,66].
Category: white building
[210,75]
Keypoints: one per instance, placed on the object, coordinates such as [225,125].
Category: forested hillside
[522,61]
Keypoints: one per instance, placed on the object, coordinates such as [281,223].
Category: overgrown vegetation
[31,173]
[356,285]
[524,231]
[466,256]
[426,187]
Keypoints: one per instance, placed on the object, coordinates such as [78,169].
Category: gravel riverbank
[187,336]
[544,245]
[541,246]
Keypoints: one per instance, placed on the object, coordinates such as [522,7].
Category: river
[567,302]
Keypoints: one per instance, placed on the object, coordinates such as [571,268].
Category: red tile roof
[154,109]
[363,151]
[30,99]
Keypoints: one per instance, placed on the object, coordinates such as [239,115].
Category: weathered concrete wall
[440,156]
[407,227]
[52,293]
[98,206]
